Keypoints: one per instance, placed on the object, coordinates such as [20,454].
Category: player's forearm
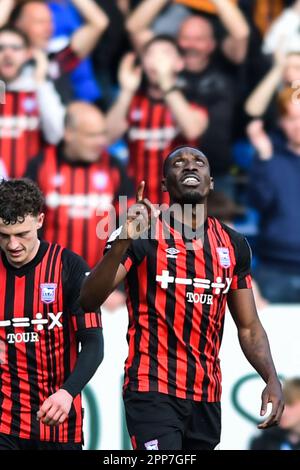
[100,282]
[6,8]
[232,19]
[88,361]
[256,348]
[260,98]
[142,17]
[192,122]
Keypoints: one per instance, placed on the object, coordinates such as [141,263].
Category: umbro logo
[172,252]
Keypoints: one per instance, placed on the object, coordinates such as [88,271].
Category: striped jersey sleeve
[134,254]
[242,272]
[75,269]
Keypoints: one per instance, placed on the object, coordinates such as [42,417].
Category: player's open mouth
[190,180]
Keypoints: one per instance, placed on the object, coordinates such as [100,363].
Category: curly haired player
[41,325]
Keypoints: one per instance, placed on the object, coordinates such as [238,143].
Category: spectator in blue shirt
[275,193]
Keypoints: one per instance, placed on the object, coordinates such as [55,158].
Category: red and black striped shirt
[39,317]
[176,299]
[153,132]
[78,199]
[20,131]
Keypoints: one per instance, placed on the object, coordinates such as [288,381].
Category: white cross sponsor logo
[79,205]
[25,322]
[218,286]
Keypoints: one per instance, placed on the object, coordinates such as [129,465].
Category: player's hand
[272,393]
[130,74]
[139,216]
[55,408]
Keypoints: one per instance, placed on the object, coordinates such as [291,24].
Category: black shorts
[8,442]
[156,421]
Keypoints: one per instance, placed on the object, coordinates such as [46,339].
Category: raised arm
[109,272]
[260,98]
[144,14]
[6,8]
[129,79]
[260,139]
[236,44]
[52,111]
[193,121]
[86,37]
[255,346]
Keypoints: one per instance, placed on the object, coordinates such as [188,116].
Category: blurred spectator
[262,101]
[154,17]
[32,110]
[113,45]
[80,182]
[157,116]
[285,31]
[207,6]
[35,19]
[234,45]
[221,206]
[287,435]
[66,20]
[285,71]
[275,191]
[266,11]
[204,80]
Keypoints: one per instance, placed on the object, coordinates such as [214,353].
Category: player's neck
[191,215]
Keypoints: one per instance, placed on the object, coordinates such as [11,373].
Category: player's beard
[192,197]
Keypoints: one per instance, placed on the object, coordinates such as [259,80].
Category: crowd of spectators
[97,92]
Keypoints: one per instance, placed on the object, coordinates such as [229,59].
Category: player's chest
[204,270]
[30,308]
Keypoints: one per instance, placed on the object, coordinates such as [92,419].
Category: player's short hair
[19,198]
[179,151]
[17,31]
[284,98]
[291,390]
[162,38]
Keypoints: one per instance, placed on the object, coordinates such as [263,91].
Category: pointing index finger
[140,191]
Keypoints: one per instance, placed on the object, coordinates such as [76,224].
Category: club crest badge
[48,293]
[152,445]
[224,256]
